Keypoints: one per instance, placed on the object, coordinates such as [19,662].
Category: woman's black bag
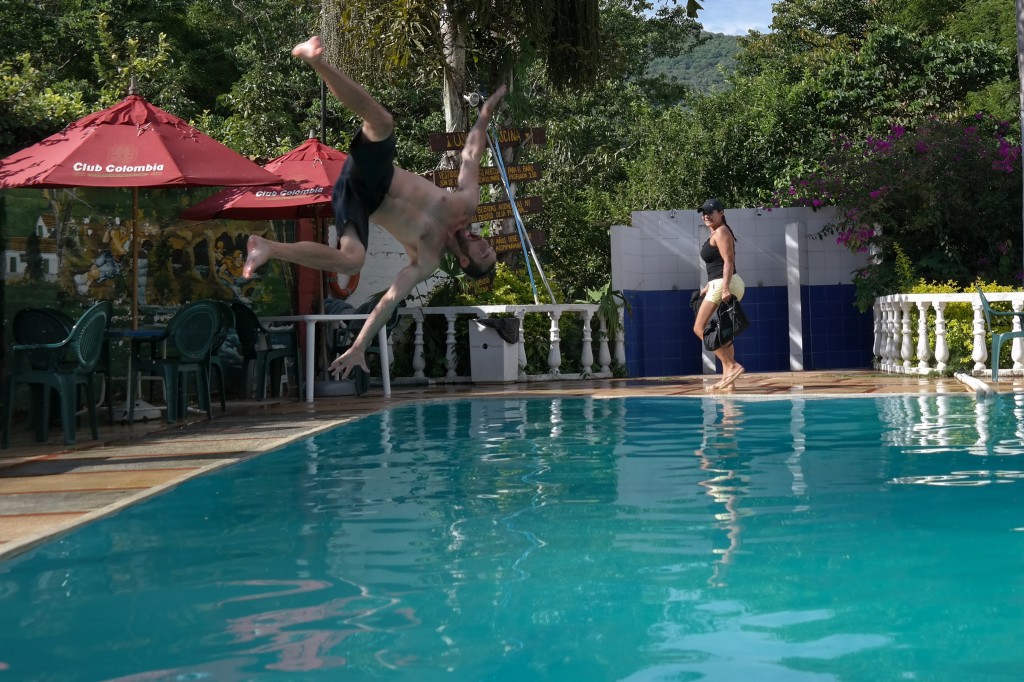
[728,322]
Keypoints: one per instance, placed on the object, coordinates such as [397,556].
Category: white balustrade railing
[898,341]
[588,313]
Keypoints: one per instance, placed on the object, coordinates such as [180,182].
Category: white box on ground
[491,359]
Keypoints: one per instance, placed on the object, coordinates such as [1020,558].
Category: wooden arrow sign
[499,210]
[489,175]
[507,137]
[503,243]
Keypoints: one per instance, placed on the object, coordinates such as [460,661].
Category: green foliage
[902,201]
[407,35]
[898,77]
[65,58]
[591,135]
[608,302]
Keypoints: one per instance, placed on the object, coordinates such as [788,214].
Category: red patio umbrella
[308,173]
[131,144]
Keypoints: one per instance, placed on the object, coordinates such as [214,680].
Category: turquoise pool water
[577,539]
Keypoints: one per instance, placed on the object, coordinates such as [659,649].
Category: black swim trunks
[363,183]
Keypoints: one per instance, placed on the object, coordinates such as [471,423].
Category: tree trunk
[330,25]
[456,117]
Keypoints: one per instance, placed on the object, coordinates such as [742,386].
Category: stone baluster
[941,346]
[923,349]
[892,332]
[883,351]
[604,357]
[980,351]
[418,362]
[449,352]
[1017,349]
[587,353]
[555,351]
[907,349]
[521,343]
[876,347]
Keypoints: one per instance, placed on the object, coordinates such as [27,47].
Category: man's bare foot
[259,253]
[309,51]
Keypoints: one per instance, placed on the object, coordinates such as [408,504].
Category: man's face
[477,249]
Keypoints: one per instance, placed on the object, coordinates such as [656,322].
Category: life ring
[339,291]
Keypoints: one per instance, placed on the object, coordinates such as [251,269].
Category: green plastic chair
[346,335]
[50,325]
[187,340]
[227,326]
[266,349]
[61,366]
[998,337]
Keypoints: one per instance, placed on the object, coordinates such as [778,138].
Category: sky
[735,17]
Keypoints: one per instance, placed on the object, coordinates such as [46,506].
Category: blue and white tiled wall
[799,295]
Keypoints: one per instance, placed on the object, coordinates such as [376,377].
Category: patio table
[137,337]
[311,321]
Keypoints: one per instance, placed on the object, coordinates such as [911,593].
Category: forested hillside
[706,67]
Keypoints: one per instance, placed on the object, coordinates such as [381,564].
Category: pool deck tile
[47,489]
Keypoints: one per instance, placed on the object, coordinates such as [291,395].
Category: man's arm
[476,143]
[407,278]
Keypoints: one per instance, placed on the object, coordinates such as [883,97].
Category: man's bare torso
[423,217]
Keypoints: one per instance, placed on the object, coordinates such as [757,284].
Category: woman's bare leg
[731,370]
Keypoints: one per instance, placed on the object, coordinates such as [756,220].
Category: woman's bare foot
[730,378]
[309,51]
[258,254]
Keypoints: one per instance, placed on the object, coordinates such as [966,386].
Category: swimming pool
[574,539]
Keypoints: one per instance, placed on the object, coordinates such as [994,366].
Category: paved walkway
[47,489]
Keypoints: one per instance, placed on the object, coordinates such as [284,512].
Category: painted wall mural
[70,248]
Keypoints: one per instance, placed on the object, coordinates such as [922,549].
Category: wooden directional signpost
[499,210]
[490,175]
[507,137]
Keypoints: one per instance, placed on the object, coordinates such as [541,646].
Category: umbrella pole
[319,236]
[135,258]
[319,273]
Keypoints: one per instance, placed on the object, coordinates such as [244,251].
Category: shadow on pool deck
[49,488]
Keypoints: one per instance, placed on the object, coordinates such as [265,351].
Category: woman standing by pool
[719,255]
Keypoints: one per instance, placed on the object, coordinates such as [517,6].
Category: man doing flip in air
[425,219]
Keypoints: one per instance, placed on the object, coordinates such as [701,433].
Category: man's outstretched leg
[347,258]
[377,121]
